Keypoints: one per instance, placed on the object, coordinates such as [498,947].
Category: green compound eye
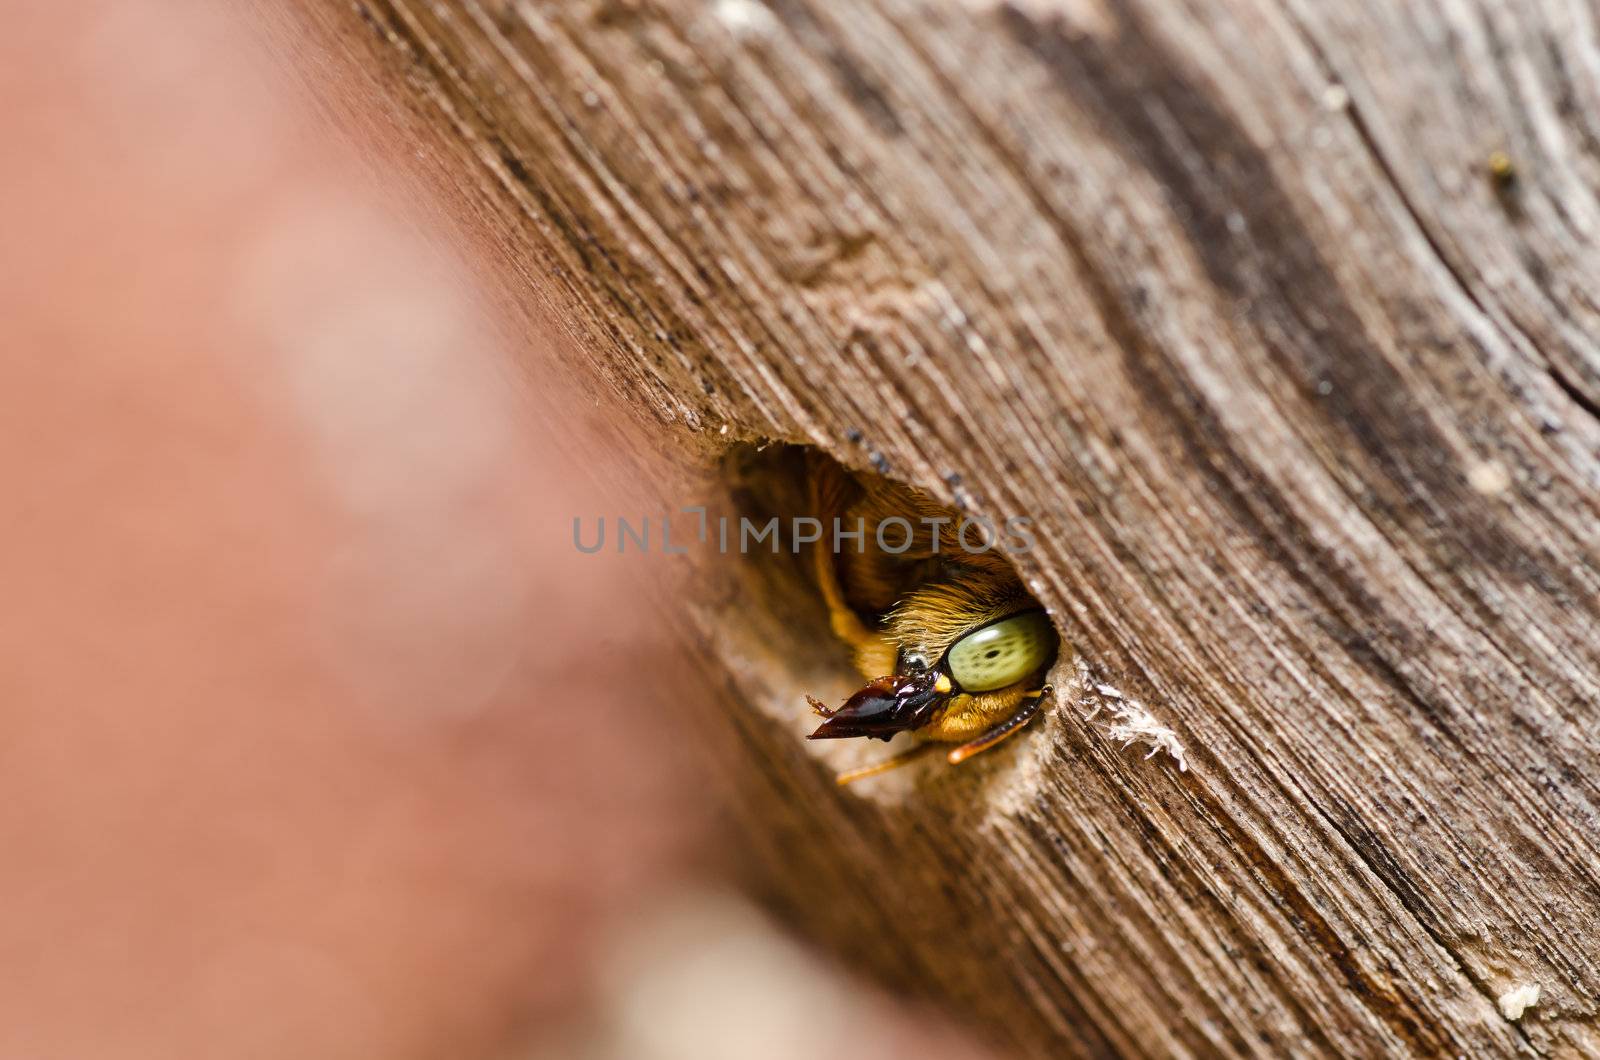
[1002,653]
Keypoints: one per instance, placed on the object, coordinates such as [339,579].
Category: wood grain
[1305,405]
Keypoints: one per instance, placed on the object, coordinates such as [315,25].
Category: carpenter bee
[954,648]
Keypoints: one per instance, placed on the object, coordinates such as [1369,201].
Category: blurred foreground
[318,741]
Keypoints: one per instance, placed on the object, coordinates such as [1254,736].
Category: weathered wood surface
[1305,406]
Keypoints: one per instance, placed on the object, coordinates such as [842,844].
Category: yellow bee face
[953,646]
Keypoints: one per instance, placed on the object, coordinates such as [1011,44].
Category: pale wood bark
[1306,405]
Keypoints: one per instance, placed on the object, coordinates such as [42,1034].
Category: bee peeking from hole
[954,648]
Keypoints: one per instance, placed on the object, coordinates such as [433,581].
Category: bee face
[997,655]
[954,647]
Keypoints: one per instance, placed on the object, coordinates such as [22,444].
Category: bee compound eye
[1002,653]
